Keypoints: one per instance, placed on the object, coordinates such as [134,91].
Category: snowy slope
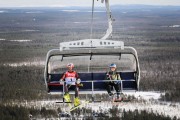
[146,101]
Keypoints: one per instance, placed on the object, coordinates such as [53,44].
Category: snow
[97,11]
[2,39]
[150,104]
[30,63]
[124,12]
[80,22]
[175,26]
[164,108]
[146,95]
[70,10]
[30,30]
[172,26]
[2,11]
[37,12]
[20,40]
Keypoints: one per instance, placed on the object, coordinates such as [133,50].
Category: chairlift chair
[91,58]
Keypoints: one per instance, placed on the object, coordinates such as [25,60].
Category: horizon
[90,6]
[84,3]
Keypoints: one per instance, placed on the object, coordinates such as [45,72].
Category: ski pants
[74,87]
[109,86]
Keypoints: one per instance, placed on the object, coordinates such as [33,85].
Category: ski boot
[118,98]
[76,102]
[67,97]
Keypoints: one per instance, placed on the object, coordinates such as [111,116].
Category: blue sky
[61,3]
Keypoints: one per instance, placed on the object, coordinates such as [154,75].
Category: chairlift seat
[127,77]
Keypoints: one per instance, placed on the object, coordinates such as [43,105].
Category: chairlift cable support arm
[110,20]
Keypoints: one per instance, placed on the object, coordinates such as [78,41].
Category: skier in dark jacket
[113,75]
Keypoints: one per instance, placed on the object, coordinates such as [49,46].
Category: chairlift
[92,58]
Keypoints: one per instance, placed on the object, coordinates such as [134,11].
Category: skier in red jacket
[71,79]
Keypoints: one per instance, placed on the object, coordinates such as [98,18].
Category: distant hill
[128,6]
[133,6]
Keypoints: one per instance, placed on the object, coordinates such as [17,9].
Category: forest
[21,113]
[26,35]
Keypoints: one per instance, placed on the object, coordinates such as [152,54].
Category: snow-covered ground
[97,11]
[175,26]
[146,95]
[172,26]
[164,109]
[2,39]
[30,63]
[30,31]
[70,10]
[147,101]
[30,12]
[2,11]
[79,22]
[21,40]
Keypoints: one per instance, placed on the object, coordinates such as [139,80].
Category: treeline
[160,70]
[27,83]
[21,83]
[156,41]
[172,95]
[115,113]
[21,113]
[13,113]
[144,115]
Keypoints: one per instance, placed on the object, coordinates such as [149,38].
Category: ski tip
[82,104]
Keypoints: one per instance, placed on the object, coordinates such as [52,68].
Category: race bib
[70,81]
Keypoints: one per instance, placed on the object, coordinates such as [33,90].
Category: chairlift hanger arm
[62,57]
[91,55]
[119,56]
[110,20]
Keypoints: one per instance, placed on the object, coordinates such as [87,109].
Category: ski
[82,104]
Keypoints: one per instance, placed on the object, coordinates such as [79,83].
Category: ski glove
[117,82]
[61,81]
[78,81]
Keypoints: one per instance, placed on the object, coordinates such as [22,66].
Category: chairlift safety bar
[93,81]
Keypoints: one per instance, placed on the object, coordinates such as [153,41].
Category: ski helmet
[70,65]
[112,65]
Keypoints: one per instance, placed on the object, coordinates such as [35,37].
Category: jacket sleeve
[118,76]
[63,77]
[107,76]
[77,76]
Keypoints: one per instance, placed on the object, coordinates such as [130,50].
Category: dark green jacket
[112,75]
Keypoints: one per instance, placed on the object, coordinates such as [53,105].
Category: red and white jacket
[70,77]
